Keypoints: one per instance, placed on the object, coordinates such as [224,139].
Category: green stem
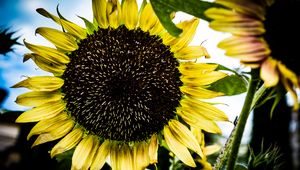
[254,81]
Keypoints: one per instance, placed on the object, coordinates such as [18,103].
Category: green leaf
[164,8]
[230,85]
[90,27]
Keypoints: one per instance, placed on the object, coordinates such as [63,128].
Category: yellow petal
[234,41]
[185,136]
[41,112]
[241,49]
[72,28]
[141,155]
[188,68]
[199,92]
[191,52]
[92,154]
[126,158]
[269,73]
[130,13]
[47,65]
[55,133]
[48,125]
[148,19]
[225,15]
[114,156]
[289,74]
[198,135]
[99,11]
[177,148]
[290,82]
[199,121]
[189,30]
[286,83]
[83,152]
[60,39]
[247,28]
[202,79]
[101,155]
[114,13]
[245,7]
[157,29]
[253,57]
[211,149]
[251,64]
[153,149]
[41,83]
[48,53]
[205,109]
[36,98]
[68,142]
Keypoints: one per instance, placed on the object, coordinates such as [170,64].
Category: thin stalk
[240,127]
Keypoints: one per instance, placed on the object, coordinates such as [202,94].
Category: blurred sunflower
[120,88]
[6,41]
[251,23]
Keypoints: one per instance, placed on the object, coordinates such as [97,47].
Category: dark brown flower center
[122,84]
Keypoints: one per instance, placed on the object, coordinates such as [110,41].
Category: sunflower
[246,21]
[121,87]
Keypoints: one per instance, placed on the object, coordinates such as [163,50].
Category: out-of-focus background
[21,19]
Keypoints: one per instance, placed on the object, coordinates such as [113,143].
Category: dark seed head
[122,84]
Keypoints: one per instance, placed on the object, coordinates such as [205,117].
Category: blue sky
[21,16]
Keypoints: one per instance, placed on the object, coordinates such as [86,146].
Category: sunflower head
[6,41]
[121,87]
[257,39]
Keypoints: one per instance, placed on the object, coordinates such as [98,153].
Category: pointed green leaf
[230,85]
[164,8]
[90,27]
